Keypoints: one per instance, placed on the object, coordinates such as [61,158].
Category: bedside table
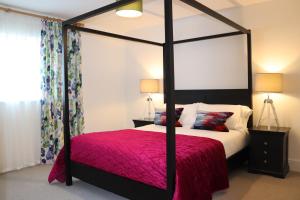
[142,122]
[269,151]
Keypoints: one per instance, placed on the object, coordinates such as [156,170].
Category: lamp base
[268,103]
[149,113]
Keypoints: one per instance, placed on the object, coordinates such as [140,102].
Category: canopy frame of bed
[124,186]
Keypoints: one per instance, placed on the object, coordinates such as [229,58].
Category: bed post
[168,54]
[249,55]
[67,140]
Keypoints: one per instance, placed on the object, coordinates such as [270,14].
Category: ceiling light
[132,10]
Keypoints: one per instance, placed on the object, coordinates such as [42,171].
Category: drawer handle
[266,143]
[265,152]
[265,161]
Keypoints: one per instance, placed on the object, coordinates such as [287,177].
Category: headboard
[218,96]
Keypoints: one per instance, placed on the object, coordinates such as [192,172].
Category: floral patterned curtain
[52,96]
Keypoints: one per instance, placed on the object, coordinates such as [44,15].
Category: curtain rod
[30,14]
[36,15]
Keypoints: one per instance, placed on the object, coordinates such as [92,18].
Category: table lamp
[268,83]
[149,86]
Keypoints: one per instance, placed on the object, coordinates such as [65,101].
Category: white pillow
[246,113]
[188,115]
[239,119]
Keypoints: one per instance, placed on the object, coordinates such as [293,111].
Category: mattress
[233,141]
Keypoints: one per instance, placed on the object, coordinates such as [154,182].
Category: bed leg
[66,110]
[69,181]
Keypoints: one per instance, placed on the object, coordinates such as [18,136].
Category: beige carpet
[31,184]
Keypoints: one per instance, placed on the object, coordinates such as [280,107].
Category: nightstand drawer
[260,154]
[266,152]
[260,142]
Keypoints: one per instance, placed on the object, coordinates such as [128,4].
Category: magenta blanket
[201,167]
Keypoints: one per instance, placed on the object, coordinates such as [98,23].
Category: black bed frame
[126,187]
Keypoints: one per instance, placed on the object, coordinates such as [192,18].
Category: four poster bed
[164,185]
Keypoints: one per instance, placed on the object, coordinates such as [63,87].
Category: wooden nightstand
[142,122]
[269,151]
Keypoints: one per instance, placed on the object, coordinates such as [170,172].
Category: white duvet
[233,141]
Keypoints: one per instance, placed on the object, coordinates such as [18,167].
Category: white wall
[103,69]
[211,64]
[143,61]
[276,48]
[197,61]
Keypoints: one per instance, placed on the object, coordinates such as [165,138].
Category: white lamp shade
[149,86]
[268,82]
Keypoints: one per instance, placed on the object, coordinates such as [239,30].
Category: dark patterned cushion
[161,117]
[214,121]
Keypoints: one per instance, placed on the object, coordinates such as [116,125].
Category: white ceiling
[58,8]
[110,22]
[70,8]
[153,15]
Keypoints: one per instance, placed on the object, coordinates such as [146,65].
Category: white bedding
[233,141]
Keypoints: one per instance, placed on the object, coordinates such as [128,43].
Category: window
[20,58]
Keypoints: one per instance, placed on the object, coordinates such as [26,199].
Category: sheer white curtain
[19,91]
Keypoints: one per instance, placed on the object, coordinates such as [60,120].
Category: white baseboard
[294,165]
[31,164]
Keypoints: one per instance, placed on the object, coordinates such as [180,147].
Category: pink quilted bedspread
[201,167]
